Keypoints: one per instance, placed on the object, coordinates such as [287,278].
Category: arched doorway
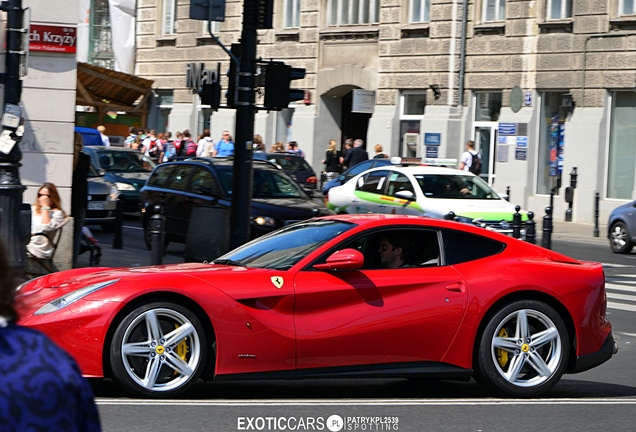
[340,122]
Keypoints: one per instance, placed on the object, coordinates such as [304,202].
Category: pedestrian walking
[379,154]
[225,147]
[470,159]
[356,155]
[292,147]
[348,145]
[332,158]
[102,132]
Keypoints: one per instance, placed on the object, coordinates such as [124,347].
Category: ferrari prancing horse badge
[277,281]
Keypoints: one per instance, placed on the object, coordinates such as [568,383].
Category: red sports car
[339,296]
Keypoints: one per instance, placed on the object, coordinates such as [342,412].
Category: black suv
[181,186]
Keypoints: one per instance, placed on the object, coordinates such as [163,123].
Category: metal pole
[508,193]
[11,189]
[240,214]
[546,239]
[531,232]
[157,235]
[597,198]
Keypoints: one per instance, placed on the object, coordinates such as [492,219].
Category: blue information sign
[522,141]
[432,139]
[507,128]
[431,151]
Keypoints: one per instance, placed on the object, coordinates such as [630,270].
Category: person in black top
[356,155]
[79,192]
[332,159]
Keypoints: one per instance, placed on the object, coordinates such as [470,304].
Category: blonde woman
[332,158]
[279,147]
[46,216]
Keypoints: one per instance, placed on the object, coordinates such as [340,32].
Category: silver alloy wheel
[157,359]
[618,236]
[533,353]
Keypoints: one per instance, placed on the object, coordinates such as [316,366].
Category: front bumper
[589,361]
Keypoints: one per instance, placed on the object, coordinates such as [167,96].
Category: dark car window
[462,247]
[267,184]
[361,167]
[179,177]
[420,247]
[399,182]
[203,181]
[291,163]
[160,175]
[455,187]
[124,161]
[372,182]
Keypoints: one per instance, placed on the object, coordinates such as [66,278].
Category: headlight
[114,193]
[72,297]
[263,221]
[124,186]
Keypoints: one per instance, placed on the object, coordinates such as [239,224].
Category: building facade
[542,86]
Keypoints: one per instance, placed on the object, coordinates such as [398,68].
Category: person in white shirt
[466,159]
[205,146]
[102,131]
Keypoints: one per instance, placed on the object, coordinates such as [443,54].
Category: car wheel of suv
[620,240]
[523,350]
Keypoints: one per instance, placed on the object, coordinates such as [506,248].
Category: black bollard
[157,235]
[118,240]
[546,239]
[531,231]
[508,193]
[597,198]
[516,223]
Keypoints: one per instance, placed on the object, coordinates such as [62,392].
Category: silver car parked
[621,228]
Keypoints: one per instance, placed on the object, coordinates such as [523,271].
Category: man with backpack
[471,159]
[188,145]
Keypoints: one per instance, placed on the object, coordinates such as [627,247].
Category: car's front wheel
[158,350]
[620,240]
[523,350]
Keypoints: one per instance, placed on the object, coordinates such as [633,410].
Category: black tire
[512,369]
[164,364]
[619,238]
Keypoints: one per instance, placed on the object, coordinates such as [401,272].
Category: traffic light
[230,95]
[258,14]
[278,77]
[210,94]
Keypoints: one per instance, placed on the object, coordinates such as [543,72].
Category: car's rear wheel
[158,350]
[620,240]
[523,350]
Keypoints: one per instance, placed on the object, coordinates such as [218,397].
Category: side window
[179,178]
[361,167]
[161,174]
[203,182]
[456,248]
[373,182]
[396,248]
[399,182]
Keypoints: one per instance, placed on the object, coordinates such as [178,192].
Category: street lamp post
[11,190]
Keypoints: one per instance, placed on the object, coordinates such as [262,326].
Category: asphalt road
[599,399]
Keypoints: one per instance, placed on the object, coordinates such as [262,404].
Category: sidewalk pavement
[135,257]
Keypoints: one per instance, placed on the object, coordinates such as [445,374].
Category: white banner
[122,24]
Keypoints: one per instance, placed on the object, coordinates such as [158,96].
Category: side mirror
[405,194]
[345,259]
[102,172]
[504,196]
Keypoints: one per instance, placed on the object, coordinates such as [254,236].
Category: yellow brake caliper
[502,355]
[182,349]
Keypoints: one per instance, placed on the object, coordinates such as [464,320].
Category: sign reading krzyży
[50,38]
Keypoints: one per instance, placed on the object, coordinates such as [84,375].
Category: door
[485,134]
[379,315]
[368,196]
[354,125]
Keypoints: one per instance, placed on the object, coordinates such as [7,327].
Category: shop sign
[197,75]
[51,38]
[363,101]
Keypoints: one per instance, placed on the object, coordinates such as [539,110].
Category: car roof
[423,169]
[111,149]
[222,162]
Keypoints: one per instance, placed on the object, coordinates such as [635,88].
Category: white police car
[424,187]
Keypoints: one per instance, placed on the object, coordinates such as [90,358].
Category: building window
[627,7]
[622,146]
[420,11]
[101,37]
[551,139]
[292,14]
[487,106]
[494,10]
[413,103]
[348,12]
[559,9]
[169,18]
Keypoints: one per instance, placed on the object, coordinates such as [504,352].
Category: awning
[108,90]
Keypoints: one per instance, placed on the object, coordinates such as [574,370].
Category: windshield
[285,247]
[289,163]
[449,186]
[124,161]
[267,184]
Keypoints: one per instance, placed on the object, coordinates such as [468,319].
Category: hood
[98,186]
[135,178]
[289,208]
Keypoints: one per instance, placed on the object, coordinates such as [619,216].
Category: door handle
[382,205]
[354,200]
[455,287]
